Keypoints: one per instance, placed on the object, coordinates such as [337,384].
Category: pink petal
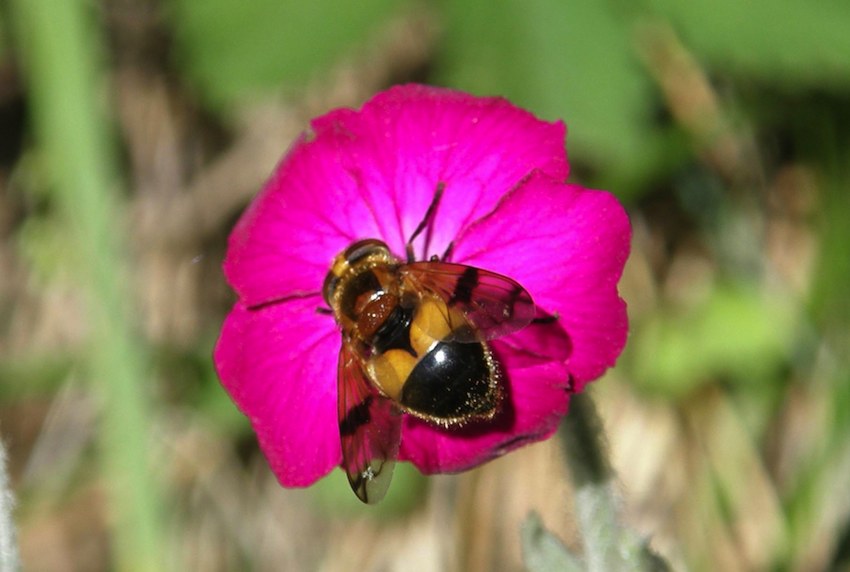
[417,136]
[567,246]
[309,211]
[373,174]
[279,365]
[536,399]
[536,344]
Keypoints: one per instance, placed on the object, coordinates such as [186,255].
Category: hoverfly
[414,340]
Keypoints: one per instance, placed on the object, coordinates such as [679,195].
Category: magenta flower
[505,208]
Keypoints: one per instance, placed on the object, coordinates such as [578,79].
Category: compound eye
[364,248]
[328,288]
[348,258]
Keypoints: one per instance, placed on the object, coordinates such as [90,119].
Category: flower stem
[8,547]
[60,46]
[608,545]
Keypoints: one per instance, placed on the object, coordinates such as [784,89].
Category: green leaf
[737,333]
[33,375]
[789,42]
[233,50]
[568,60]
[4,41]
[542,551]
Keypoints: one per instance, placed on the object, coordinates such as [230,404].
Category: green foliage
[233,50]
[737,334]
[542,551]
[789,42]
[43,376]
[61,50]
[4,42]
[575,60]
[333,494]
[830,303]
[572,60]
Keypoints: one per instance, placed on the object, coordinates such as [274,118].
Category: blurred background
[133,132]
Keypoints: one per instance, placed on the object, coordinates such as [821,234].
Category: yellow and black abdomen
[453,382]
[416,362]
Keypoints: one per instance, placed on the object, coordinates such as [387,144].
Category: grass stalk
[59,42]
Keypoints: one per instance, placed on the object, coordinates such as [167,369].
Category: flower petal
[373,174]
[536,344]
[279,365]
[310,210]
[567,246]
[418,136]
[535,400]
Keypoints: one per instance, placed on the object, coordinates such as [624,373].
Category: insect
[414,340]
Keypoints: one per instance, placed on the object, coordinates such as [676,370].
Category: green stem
[8,546]
[61,49]
[608,545]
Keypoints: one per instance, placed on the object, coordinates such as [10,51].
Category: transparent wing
[369,430]
[494,305]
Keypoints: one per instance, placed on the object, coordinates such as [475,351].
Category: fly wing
[369,430]
[494,305]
